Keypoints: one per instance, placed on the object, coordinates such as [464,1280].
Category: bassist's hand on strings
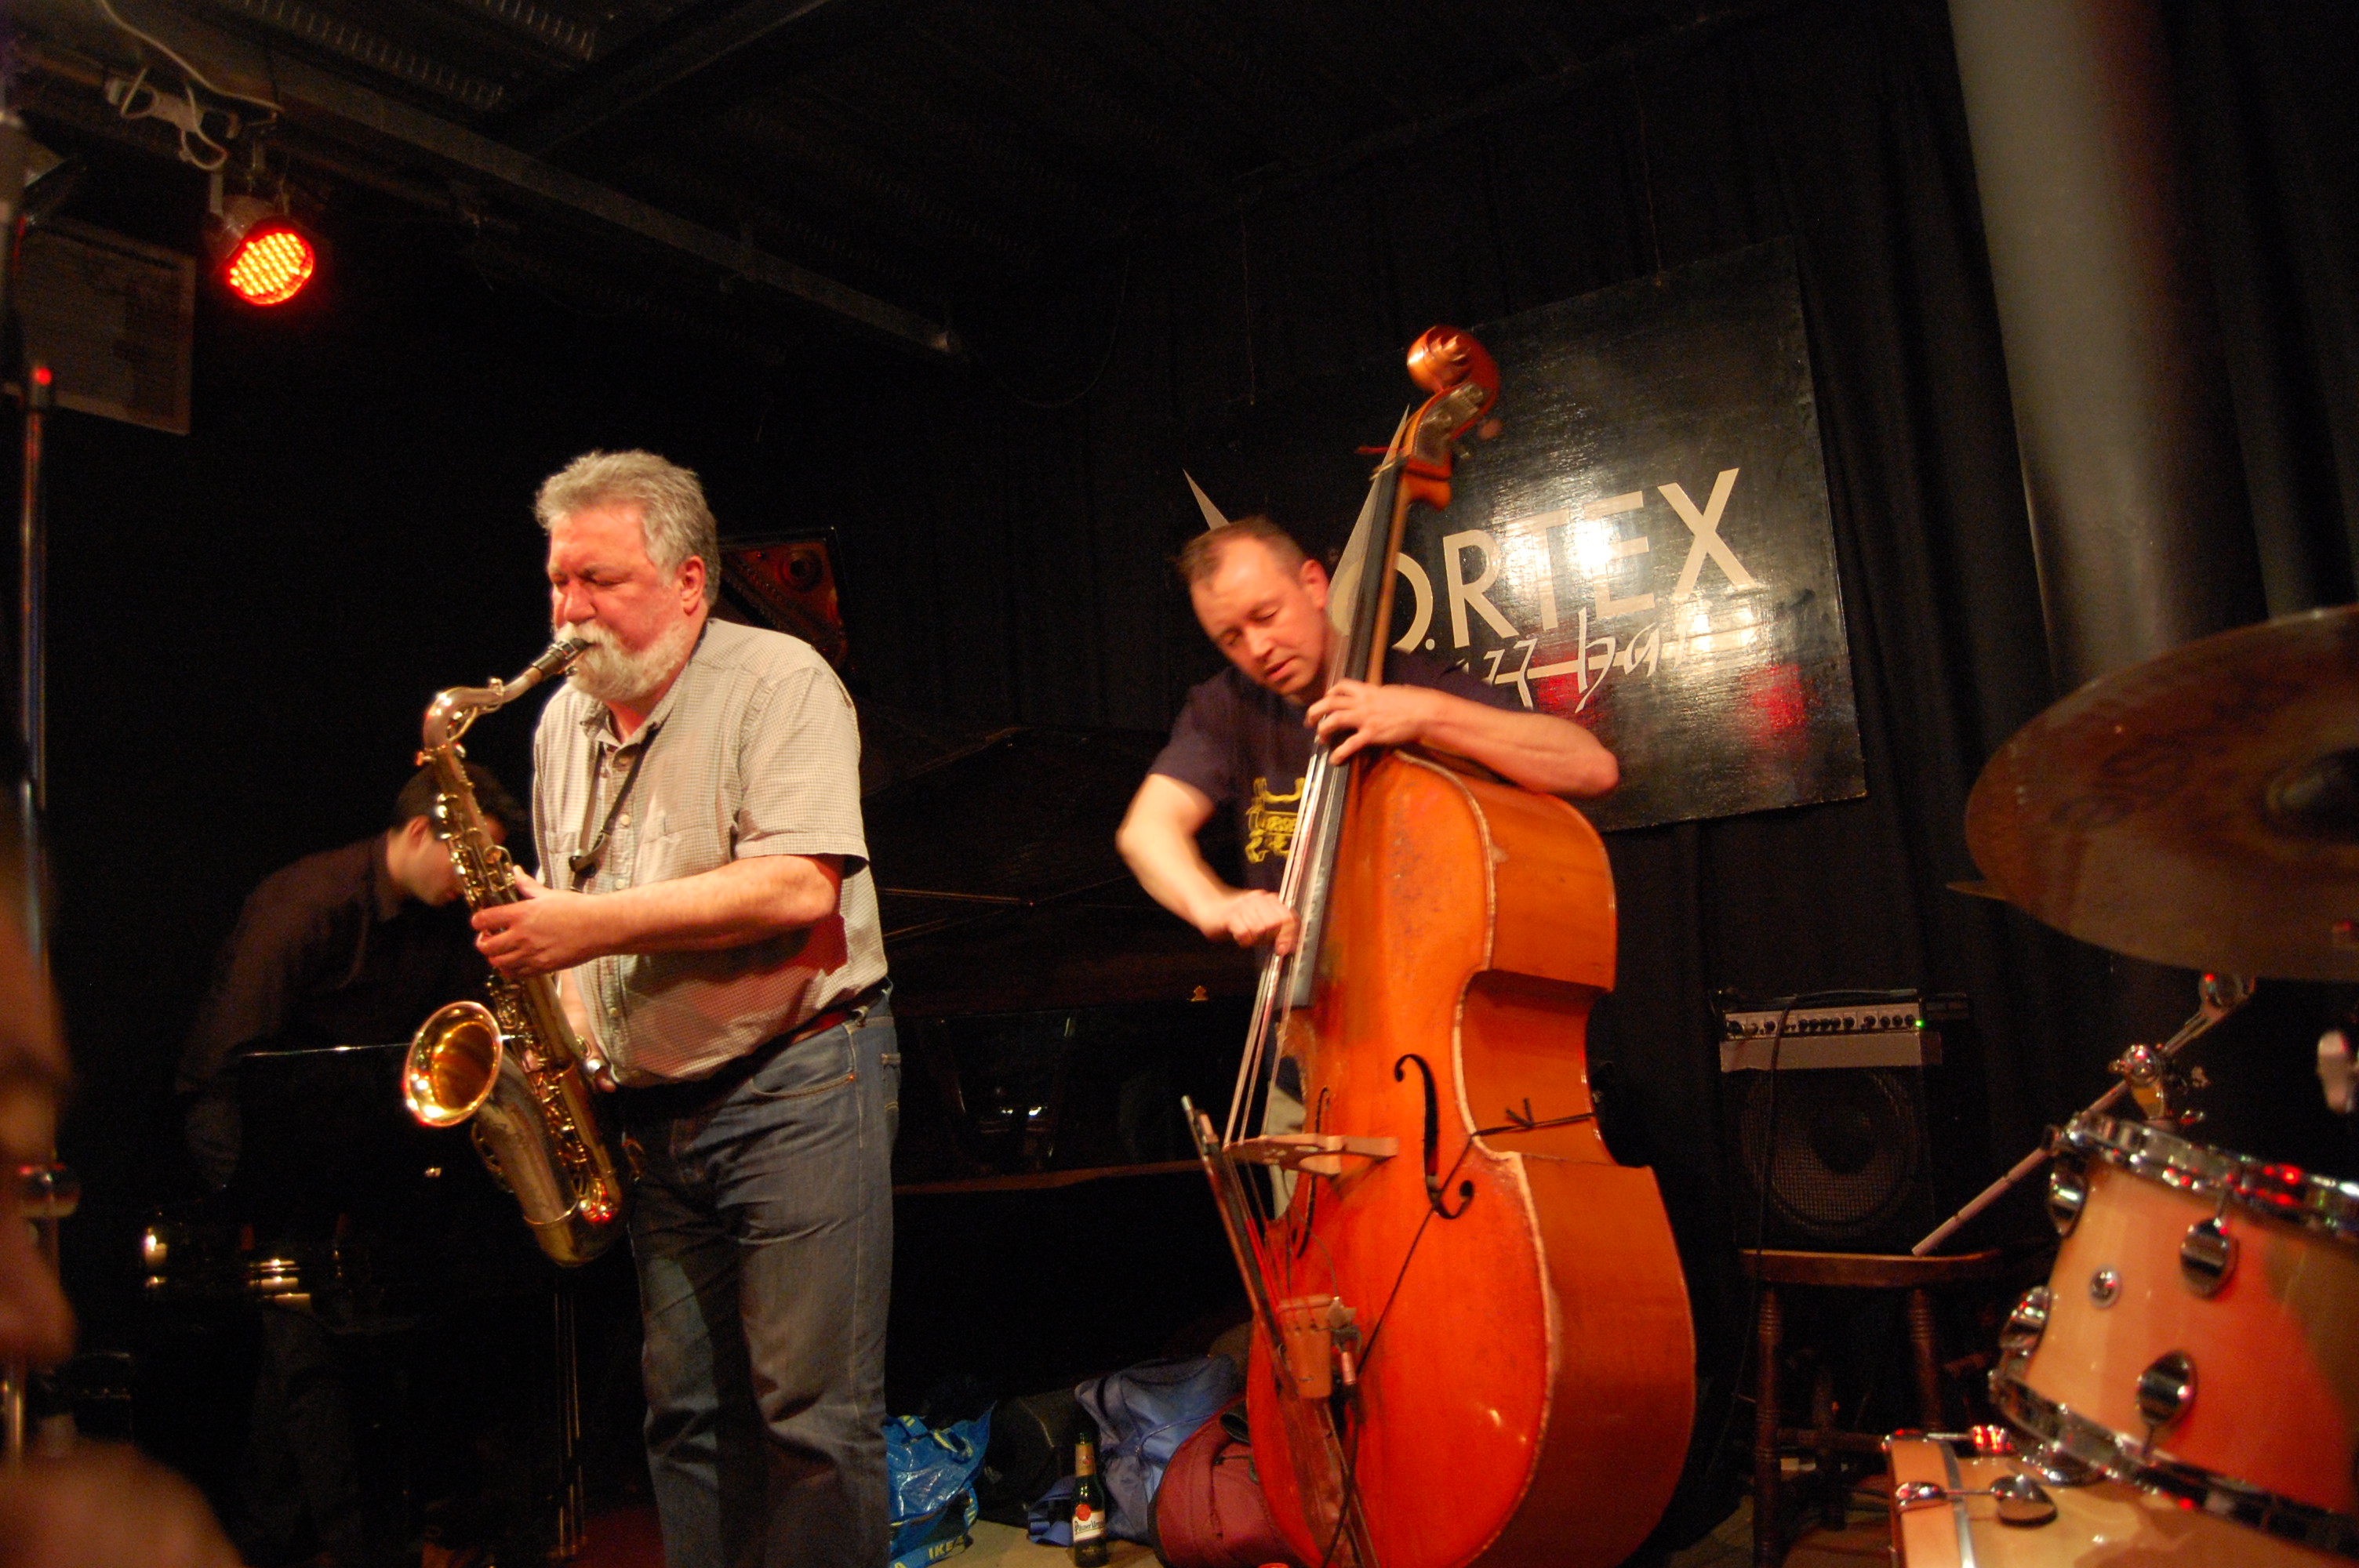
[1251,917]
[1366,716]
[1159,842]
[1539,750]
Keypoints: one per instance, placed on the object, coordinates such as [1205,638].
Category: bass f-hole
[1433,1177]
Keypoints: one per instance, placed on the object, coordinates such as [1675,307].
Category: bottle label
[1087,1523]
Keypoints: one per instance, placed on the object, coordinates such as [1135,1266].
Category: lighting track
[322,103]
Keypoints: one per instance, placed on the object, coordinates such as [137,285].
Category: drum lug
[2207,1257]
[2165,1390]
[2027,1321]
[2068,1194]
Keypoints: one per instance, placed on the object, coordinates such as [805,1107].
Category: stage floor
[627,1539]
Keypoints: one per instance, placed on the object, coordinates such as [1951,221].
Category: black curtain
[2272,126]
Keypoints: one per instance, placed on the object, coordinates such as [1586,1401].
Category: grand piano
[1052,1221]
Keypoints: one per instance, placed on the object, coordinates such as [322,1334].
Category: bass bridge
[1312,1153]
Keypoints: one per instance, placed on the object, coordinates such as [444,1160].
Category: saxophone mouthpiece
[555,660]
[459,707]
[560,654]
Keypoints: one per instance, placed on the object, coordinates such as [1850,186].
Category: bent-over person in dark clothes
[353,946]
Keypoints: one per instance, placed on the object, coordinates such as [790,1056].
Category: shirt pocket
[554,869]
[666,849]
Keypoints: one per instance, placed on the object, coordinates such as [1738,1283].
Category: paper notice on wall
[113,320]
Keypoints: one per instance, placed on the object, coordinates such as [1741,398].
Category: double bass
[1471,1336]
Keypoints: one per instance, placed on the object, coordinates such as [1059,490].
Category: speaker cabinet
[1830,1159]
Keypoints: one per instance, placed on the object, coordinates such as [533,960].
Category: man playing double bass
[1245,737]
[1469,927]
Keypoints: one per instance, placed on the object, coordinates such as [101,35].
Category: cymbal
[2198,809]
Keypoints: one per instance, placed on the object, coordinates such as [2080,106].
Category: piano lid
[1000,887]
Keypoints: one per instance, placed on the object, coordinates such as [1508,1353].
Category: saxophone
[512,1068]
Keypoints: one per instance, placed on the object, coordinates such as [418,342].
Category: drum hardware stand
[2157,1083]
[571,1503]
[2148,1072]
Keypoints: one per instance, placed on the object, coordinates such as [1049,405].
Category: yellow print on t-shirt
[1269,832]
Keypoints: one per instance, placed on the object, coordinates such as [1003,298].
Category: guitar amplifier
[1829,1117]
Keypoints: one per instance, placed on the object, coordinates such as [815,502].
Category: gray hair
[673,517]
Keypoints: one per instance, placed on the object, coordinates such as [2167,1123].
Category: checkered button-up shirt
[754,750]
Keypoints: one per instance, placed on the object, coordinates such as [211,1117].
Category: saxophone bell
[454,1065]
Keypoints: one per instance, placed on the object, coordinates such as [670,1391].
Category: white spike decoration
[1213,518]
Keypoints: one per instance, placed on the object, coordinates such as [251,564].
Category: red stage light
[262,255]
[270,266]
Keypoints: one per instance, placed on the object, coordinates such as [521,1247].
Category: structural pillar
[2131,469]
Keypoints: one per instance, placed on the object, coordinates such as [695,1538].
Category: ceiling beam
[602,94]
[528,175]
[1079,105]
[324,30]
[309,94]
[1708,21]
[812,137]
[1192,43]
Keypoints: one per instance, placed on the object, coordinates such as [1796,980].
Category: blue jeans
[762,1227]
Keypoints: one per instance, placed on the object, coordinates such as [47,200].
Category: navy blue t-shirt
[1247,747]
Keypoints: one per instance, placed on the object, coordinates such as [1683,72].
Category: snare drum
[2199,1335]
[2109,1524]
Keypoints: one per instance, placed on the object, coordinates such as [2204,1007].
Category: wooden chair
[1773,1270]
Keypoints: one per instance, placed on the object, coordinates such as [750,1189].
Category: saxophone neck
[456,708]
[450,714]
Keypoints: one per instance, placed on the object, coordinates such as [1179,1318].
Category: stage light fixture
[262,255]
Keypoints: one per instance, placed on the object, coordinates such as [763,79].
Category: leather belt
[695,1093]
[826,1020]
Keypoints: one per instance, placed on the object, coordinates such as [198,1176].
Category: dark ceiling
[887,162]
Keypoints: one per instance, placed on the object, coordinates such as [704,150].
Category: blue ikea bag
[930,1473]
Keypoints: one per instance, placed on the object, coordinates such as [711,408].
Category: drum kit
[2185,1387]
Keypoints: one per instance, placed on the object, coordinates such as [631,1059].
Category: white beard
[615,675]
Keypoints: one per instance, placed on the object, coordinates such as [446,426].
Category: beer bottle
[1091,1544]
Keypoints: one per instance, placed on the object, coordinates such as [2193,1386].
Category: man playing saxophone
[705,896]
